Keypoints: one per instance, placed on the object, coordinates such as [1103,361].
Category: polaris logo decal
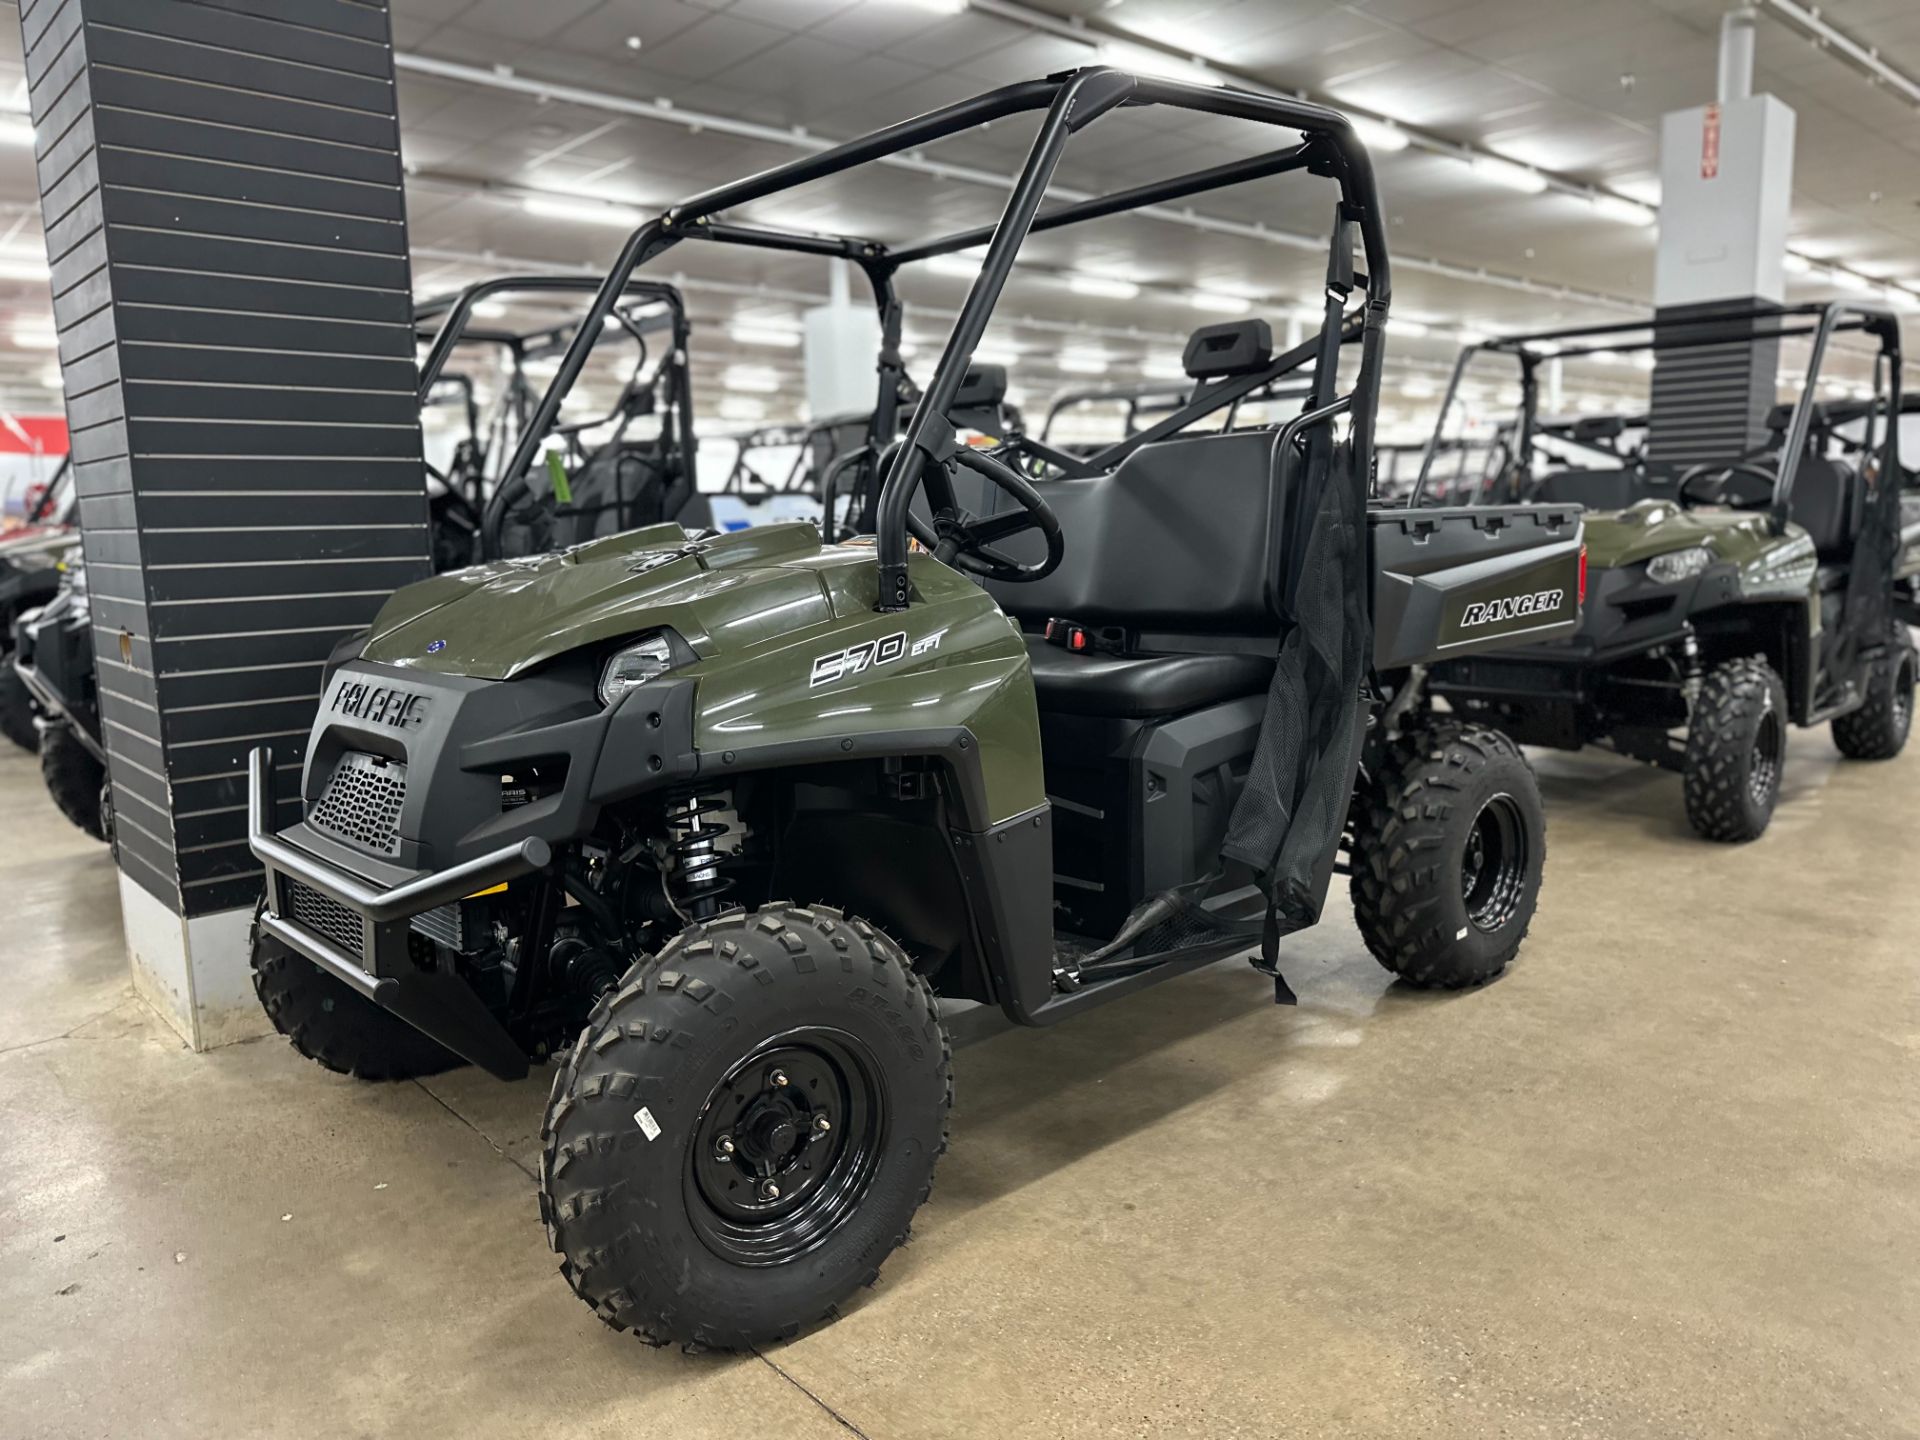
[380,705]
[1511,607]
[845,664]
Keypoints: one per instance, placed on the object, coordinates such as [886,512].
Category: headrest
[1237,347]
[1600,427]
[1781,416]
[983,388]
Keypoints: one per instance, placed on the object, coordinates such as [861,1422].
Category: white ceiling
[1575,87]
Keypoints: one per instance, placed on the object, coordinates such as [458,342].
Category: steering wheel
[959,540]
[1722,477]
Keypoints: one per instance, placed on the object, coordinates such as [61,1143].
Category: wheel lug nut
[725,1146]
[821,1124]
[777,1079]
[769,1191]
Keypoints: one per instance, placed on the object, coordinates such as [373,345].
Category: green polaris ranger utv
[1729,599]
[715,819]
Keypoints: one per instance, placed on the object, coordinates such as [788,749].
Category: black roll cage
[1167,396]
[457,329]
[802,434]
[1821,321]
[1071,101]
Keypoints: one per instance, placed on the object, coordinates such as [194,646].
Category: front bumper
[431,824]
[355,926]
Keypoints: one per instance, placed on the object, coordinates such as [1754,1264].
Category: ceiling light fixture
[591,212]
[767,335]
[1080,362]
[1162,367]
[1848,280]
[1523,178]
[750,379]
[16,130]
[23,266]
[961,266]
[31,336]
[1796,264]
[490,309]
[1380,136]
[1619,207]
[1107,287]
[1407,329]
[1218,303]
[1145,60]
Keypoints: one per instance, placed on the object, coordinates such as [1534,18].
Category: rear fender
[1449,582]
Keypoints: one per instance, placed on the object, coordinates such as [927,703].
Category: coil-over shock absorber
[694,831]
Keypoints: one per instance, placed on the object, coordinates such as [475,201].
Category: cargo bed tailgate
[1448,582]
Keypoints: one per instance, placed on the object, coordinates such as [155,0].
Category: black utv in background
[53,661]
[29,575]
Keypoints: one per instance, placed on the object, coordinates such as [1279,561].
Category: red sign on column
[1710,143]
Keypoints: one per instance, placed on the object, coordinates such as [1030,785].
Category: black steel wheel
[1493,871]
[1449,844]
[1878,729]
[1736,751]
[745,1128]
[787,1146]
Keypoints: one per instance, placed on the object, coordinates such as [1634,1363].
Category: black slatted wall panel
[1710,402]
[221,187]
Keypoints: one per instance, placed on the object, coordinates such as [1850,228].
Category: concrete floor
[1662,1180]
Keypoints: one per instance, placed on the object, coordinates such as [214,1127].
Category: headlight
[644,660]
[1677,565]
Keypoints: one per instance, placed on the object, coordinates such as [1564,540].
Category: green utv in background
[715,819]
[1726,601]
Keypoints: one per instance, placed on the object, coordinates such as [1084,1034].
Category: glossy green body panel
[1772,566]
[1653,527]
[759,608]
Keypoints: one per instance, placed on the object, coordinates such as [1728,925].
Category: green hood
[495,621]
[771,615]
[1619,538]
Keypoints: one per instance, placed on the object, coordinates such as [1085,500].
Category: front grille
[362,802]
[328,917]
[443,925]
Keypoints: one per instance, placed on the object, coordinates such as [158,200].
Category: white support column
[1726,189]
[841,340]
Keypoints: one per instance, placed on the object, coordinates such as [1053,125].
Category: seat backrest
[1595,489]
[1826,503]
[1179,537]
[622,487]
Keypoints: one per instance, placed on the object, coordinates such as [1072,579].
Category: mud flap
[1268,962]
